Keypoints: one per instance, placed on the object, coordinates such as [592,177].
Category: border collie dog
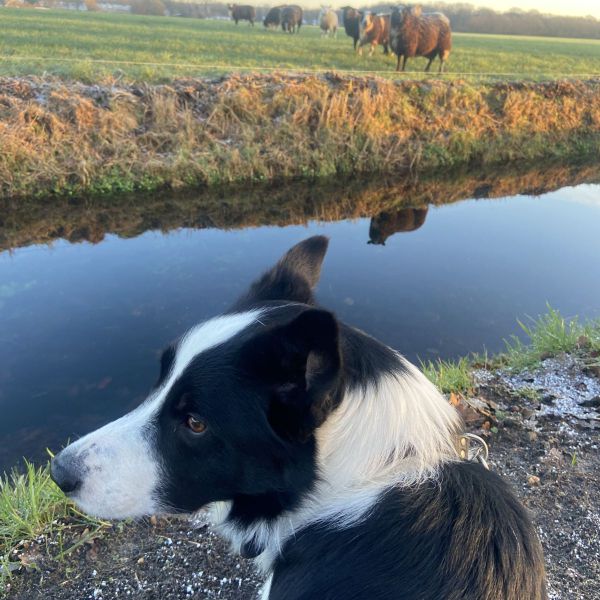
[324,455]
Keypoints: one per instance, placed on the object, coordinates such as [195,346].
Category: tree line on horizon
[464,17]
[467,18]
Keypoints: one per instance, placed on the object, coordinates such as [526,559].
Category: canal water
[86,309]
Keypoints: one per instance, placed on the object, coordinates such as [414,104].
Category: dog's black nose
[65,474]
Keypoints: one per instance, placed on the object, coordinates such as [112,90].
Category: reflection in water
[76,220]
[387,223]
[82,324]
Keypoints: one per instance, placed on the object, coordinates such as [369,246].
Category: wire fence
[229,68]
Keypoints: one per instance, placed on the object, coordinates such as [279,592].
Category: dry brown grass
[59,138]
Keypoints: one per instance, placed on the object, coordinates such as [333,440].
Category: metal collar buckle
[466,451]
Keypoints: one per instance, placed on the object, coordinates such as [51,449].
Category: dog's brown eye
[195,425]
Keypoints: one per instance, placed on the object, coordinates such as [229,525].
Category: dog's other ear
[293,278]
[299,363]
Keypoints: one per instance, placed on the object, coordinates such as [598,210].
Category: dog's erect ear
[299,363]
[293,278]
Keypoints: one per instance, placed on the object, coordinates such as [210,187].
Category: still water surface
[82,325]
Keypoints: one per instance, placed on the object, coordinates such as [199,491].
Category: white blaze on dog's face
[233,394]
[118,468]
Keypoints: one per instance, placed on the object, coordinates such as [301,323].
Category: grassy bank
[35,518]
[93,46]
[543,337]
[39,526]
[60,138]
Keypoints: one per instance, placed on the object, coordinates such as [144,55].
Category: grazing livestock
[415,34]
[386,224]
[242,13]
[374,30]
[352,18]
[328,21]
[273,18]
[291,18]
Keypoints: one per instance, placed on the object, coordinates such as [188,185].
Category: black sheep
[351,18]
[242,13]
[273,18]
[291,18]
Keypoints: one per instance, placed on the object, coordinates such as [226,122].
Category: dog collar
[474,452]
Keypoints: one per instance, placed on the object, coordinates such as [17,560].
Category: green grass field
[69,44]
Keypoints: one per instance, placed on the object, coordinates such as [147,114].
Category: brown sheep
[415,34]
[374,29]
[386,224]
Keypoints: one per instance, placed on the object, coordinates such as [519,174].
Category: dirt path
[543,436]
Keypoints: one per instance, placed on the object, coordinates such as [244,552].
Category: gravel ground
[163,559]
[542,428]
[547,445]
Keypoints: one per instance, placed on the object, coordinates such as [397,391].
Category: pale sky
[557,7]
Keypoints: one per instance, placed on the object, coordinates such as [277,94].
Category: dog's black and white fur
[324,454]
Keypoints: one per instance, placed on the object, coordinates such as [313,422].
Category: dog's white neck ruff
[398,432]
